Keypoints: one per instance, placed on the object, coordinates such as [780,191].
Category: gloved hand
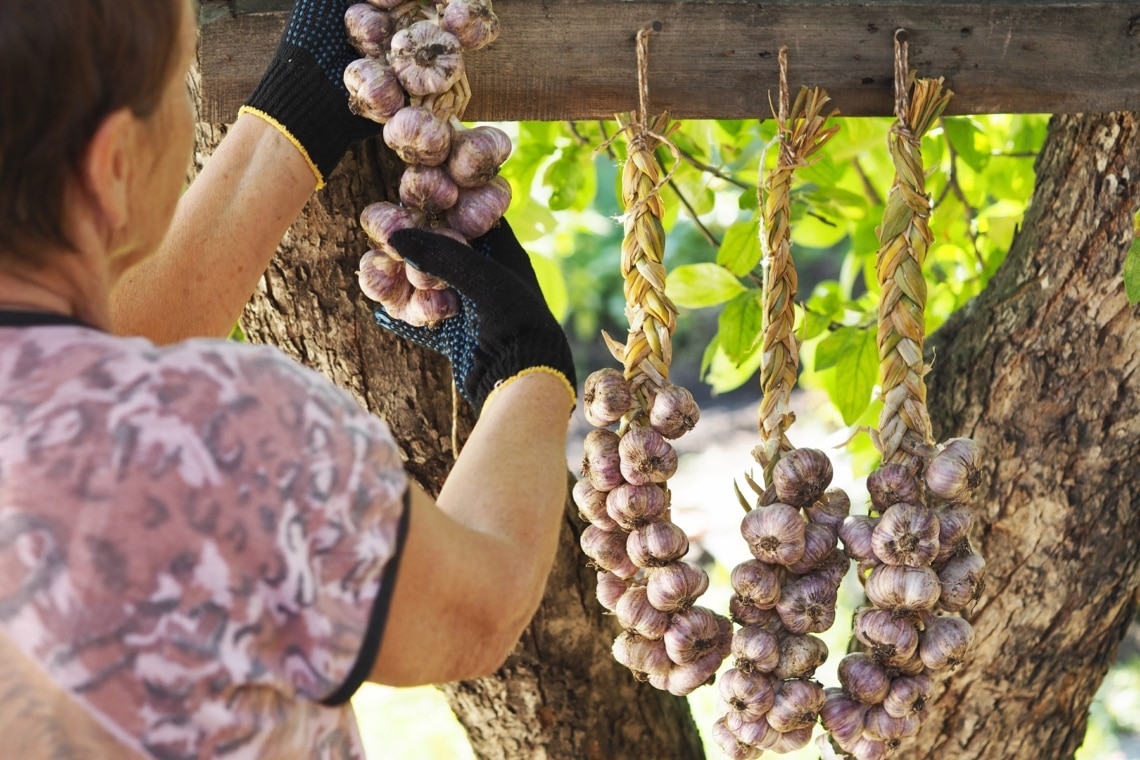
[302,92]
[504,329]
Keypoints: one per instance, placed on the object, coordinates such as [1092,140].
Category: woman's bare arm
[225,231]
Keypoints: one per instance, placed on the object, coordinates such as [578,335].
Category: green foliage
[1132,268]
[980,176]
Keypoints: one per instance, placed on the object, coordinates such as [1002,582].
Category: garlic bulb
[636,614]
[879,726]
[646,457]
[796,705]
[863,678]
[747,697]
[380,220]
[887,638]
[382,279]
[946,643]
[610,589]
[675,586]
[857,532]
[591,505]
[674,412]
[632,506]
[801,476]
[478,208]
[893,484]
[605,397]
[842,716]
[373,90]
[421,280]
[953,472]
[641,655]
[601,462]
[657,544]
[756,582]
[369,29]
[427,308]
[426,59]
[775,534]
[472,22]
[476,154]
[800,656]
[830,510]
[906,535]
[428,188]
[419,137]
[807,605]
[908,695]
[695,633]
[791,741]
[819,542]
[953,529]
[683,679]
[961,579]
[902,589]
[755,650]
[733,748]
[607,550]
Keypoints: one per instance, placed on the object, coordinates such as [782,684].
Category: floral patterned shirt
[197,548]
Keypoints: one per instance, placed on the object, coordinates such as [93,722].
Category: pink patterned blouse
[197,548]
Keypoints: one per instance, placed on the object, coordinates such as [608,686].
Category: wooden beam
[576,59]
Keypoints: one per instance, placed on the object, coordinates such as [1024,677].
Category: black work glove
[504,328]
[302,92]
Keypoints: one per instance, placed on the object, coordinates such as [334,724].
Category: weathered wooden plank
[575,59]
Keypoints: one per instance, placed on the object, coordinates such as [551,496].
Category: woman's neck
[65,285]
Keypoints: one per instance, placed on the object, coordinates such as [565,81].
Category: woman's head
[65,66]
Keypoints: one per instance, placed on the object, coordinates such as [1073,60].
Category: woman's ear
[107,168]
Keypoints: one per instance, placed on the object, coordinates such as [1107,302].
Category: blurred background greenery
[566,210]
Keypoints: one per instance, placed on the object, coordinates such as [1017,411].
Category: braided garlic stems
[788,592]
[667,640]
[905,237]
[913,553]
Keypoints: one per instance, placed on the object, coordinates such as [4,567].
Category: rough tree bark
[1040,369]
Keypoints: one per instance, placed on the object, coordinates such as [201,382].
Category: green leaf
[741,324]
[725,375]
[739,253]
[814,231]
[1132,272]
[853,358]
[571,180]
[962,132]
[698,286]
[553,285]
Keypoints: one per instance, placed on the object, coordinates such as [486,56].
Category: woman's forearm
[225,231]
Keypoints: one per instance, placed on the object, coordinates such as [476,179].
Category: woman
[199,540]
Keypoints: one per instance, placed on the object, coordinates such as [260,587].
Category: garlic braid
[789,590]
[667,640]
[913,555]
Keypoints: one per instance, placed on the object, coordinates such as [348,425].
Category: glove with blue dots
[302,92]
[504,329]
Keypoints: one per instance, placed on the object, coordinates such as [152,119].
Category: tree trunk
[1041,370]
[560,695]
